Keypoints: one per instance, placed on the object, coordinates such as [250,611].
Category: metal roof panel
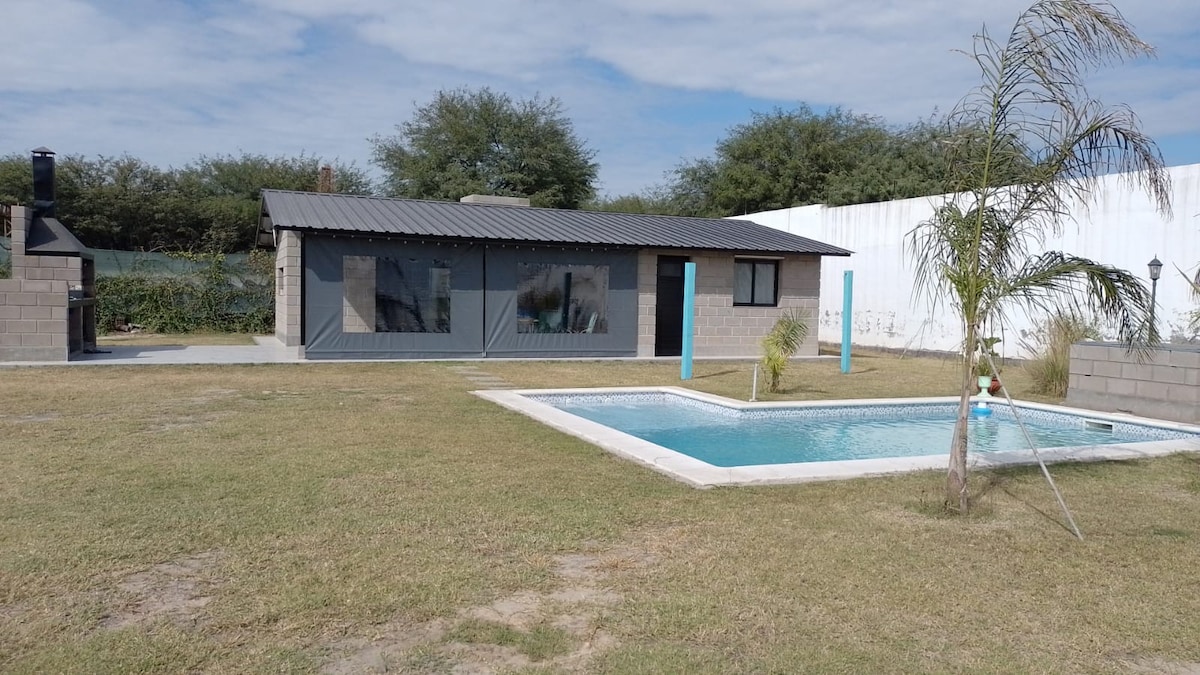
[330,212]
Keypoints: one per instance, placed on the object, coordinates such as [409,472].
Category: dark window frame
[754,263]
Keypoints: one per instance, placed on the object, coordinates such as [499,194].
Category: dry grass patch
[372,515]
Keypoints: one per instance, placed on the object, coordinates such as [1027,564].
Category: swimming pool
[708,440]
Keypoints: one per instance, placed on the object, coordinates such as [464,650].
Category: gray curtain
[619,323]
[403,323]
[592,313]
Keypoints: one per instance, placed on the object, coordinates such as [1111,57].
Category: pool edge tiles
[700,474]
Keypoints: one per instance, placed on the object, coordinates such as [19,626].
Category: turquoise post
[847,296]
[689,319]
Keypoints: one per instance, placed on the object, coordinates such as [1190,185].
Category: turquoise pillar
[847,296]
[689,319]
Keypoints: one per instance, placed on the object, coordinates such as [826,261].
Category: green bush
[1050,368]
[217,298]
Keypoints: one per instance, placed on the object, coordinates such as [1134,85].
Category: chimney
[495,200]
[43,183]
[325,179]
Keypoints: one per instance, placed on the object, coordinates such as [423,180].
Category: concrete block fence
[1104,376]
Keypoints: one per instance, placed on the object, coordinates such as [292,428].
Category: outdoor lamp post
[1155,266]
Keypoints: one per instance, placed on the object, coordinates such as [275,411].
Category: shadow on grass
[800,389]
[934,505]
[1062,469]
[719,373]
[1002,477]
[1170,533]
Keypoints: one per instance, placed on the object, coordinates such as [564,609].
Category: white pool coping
[704,475]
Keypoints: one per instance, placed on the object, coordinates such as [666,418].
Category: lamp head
[1155,268]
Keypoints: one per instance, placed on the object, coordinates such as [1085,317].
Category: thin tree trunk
[956,477]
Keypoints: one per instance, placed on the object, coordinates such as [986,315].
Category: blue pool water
[727,437]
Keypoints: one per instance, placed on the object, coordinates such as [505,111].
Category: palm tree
[1030,144]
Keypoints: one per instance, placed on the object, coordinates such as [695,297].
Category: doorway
[668,311]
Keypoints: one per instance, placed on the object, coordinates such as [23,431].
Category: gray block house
[369,277]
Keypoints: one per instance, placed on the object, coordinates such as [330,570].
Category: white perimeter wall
[1120,228]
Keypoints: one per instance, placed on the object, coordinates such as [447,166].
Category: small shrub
[6,269]
[986,348]
[1051,367]
[781,344]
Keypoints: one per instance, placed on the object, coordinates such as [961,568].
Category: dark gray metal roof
[47,236]
[411,217]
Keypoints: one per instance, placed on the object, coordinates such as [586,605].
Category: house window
[412,295]
[562,298]
[755,282]
[395,295]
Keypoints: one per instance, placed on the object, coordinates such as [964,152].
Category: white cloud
[167,80]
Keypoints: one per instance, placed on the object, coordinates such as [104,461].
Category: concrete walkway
[265,350]
[269,350]
[480,378]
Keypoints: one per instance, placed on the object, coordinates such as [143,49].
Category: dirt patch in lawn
[176,590]
[561,628]
[167,423]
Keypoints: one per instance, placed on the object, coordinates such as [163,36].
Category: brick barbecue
[48,307]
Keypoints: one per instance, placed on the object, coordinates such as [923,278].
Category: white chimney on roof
[495,200]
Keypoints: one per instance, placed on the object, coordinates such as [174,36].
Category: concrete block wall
[358,294]
[288,273]
[721,328]
[1104,377]
[33,303]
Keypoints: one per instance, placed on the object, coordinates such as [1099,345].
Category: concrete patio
[265,350]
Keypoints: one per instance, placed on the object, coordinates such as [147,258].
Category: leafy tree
[792,158]
[16,179]
[483,142]
[225,189]
[210,205]
[246,175]
[1033,118]
[655,200]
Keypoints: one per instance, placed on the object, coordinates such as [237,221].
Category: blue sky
[646,82]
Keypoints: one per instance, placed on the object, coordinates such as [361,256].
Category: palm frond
[1053,280]
[781,344]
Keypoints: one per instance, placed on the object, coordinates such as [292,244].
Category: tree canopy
[788,158]
[484,142]
[209,205]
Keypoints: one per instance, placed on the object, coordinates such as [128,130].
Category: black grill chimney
[43,182]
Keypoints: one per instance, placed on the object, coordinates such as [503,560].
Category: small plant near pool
[781,344]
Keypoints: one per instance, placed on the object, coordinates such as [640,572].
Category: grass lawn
[358,517]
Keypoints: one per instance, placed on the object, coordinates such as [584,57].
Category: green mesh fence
[170,294]
[112,263]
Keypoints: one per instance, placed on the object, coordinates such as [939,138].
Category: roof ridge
[505,206]
[396,216]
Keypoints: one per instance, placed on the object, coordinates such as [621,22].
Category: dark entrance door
[668,312]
